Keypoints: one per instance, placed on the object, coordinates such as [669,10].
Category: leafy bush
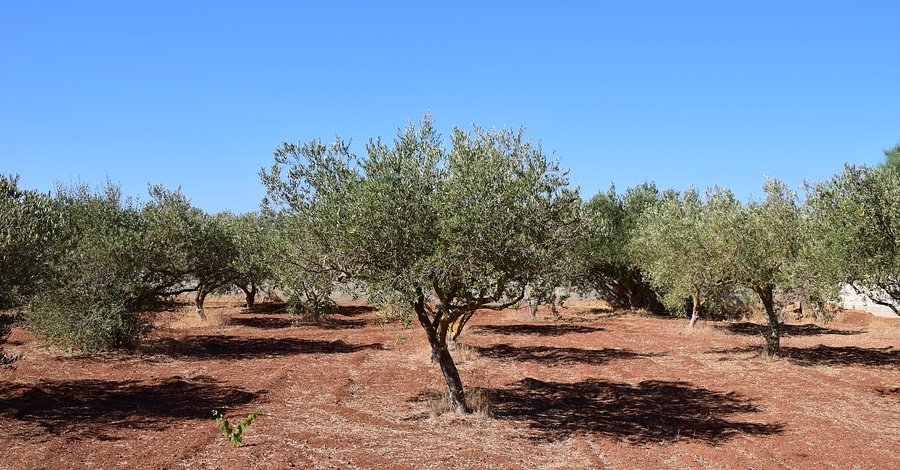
[85,322]
[100,276]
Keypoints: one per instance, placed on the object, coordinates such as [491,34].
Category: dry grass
[462,353]
[479,400]
[187,318]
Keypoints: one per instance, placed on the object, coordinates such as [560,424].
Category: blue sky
[197,94]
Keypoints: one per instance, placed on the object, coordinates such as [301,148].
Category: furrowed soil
[596,389]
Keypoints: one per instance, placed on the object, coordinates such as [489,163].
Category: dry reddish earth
[596,390]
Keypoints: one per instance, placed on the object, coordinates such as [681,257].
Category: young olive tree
[439,232]
[765,250]
[854,227]
[683,245]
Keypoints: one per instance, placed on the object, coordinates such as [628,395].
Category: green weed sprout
[234,434]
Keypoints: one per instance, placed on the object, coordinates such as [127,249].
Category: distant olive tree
[189,251]
[604,263]
[684,247]
[436,232]
[256,251]
[854,233]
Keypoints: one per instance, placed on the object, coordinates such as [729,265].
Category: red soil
[595,390]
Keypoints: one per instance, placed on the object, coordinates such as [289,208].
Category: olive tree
[30,228]
[254,238]
[854,227]
[98,285]
[683,245]
[188,249]
[604,263]
[765,250]
[439,232]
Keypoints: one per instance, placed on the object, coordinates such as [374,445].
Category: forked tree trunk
[695,313]
[249,295]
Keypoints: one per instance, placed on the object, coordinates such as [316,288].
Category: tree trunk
[249,295]
[441,354]
[199,300]
[695,314]
[773,334]
[533,307]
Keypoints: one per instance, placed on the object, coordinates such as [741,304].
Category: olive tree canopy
[439,232]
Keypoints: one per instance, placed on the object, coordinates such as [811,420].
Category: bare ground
[596,390]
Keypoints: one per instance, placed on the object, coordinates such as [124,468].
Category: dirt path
[593,391]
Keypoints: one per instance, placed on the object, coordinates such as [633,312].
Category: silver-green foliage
[97,283]
[437,232]
[854,228]
[30,228]
[603,262]
[684,246]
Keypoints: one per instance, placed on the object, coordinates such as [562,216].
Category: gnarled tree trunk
[773,334]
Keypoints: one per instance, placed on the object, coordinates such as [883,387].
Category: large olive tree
[854,228]
[440,232]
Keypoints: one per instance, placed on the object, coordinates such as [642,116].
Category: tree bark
[441,354]
[695,313]
[436,330]
[773,334]
[249,295]
[199,300]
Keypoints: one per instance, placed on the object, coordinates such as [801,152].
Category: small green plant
[234,434]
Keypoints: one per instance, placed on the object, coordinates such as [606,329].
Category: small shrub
[310,309]
[84,323]
[235,434]
[479,401]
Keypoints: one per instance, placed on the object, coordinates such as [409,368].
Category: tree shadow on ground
[267,307]
[96,408]
[650,412]
[275,322]
[822,355]
[235,347]
[263,323]
[550,355]
[555,329]
[756,329]
[355,310]
[334,323]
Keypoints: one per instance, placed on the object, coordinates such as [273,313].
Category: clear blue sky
[198,94]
